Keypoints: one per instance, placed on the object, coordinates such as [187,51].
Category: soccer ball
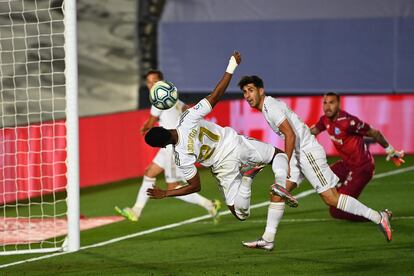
[163,95]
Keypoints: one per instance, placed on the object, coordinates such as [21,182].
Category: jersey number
[205,150]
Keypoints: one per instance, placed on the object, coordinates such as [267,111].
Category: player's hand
[234,61]
[156,193]
[395,156]
[237,56]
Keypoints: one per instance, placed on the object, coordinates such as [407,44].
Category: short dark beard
[334,115]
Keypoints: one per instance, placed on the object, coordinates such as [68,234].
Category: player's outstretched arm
[194,186]
[392,154]
[290,137]
[221,87]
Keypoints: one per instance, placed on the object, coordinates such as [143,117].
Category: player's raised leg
[353,206]
[321,177]
[351,183]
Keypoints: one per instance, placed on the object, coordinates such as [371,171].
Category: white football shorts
[249,152]
[165,159]
[312,164]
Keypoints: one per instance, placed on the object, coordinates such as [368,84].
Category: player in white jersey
[306,156]
[164,161]
[222,149]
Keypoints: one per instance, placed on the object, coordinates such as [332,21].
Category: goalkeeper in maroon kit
[356,168]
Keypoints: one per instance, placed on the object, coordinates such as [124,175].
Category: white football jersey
[168,118]
[276,111]
[201,141]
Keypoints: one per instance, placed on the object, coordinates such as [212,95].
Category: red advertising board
[33,158]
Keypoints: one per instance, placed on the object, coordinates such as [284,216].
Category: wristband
[232,65]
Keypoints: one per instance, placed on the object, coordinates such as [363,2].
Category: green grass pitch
[308,240]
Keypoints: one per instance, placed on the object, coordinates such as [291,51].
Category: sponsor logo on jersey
[337,131]
[339,141]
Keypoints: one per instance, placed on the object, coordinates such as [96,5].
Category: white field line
[261,221]
[196,219]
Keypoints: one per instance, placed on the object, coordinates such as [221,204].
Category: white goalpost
[39,161]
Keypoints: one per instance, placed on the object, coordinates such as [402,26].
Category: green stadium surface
[308,240]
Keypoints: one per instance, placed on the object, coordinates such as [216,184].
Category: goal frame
[72,127]
[72,241]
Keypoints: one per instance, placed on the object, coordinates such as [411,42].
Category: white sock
[351,205]
[198,199]
[142,197]
[274,215]
[242,201]
[280,168]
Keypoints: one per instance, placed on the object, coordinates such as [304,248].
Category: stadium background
[362,50]
[358,48]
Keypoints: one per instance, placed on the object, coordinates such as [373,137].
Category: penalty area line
[188,221]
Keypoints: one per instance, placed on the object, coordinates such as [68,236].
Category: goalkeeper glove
[395,156]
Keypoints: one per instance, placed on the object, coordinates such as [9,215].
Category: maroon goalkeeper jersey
[347,133]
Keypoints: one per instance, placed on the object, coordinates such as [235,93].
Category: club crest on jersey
[337,131]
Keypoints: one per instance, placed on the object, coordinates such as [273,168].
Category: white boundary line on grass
[189,221]
[252,221]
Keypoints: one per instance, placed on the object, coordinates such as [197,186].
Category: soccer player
[164,161]
[225,151]
[356,168]
[306,156]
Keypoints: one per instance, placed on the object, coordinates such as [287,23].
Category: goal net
[39,191]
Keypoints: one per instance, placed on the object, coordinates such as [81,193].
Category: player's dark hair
[158,137]
[155,71]
[333,94]
[257,81]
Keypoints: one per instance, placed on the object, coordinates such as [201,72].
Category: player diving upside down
[225,151]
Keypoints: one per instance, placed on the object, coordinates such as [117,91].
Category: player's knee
[280,168]
[280,162]
[329,200]
[147,171]
[151,171]
[330,197]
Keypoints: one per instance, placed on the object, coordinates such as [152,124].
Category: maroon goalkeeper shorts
[352,182]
